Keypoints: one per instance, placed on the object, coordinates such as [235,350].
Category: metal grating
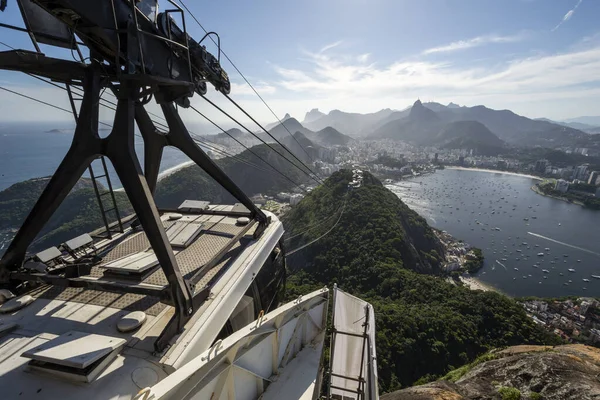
[222,266]
[227,229]
[130,302]
[199,253]
[190,260]
[134,244]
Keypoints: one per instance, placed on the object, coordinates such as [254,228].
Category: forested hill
[375,227]
[425,325]
[193,183]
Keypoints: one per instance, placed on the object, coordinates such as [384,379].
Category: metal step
[99,196]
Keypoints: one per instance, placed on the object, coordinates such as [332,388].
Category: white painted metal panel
[134,263]
[243,366]
[353,343]
[75,349]
[183,233]
[206,324]
[48,254]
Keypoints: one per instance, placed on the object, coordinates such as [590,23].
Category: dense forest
[79,213]
[384,252]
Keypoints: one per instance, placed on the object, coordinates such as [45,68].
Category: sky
[539,58]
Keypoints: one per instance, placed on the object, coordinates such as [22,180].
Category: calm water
[30,151]
[470,205]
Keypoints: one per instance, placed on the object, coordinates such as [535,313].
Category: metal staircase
[101,196]
[102,191]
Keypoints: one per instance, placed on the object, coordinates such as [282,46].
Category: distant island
[56,130]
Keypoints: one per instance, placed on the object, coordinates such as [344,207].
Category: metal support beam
[119,148]
[179,137]
[85,146]
[121,152]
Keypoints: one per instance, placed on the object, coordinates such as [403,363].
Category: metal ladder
[100,196]
[110,227]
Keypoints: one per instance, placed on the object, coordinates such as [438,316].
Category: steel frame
[118,147]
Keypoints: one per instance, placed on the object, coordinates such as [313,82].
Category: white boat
[586,280]
[571,270]
[596,276]
[540,254]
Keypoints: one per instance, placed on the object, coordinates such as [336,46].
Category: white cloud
[567,16]
[330,46]
[363,57]
[475,42]
[242,89]
[344,82]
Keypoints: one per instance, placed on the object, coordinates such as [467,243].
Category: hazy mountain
[468,130]
[189,182]
[394,116]
[452,105]
[352,124]
[234,132]
[274,124]
[331,137]
[424,126]
[420,126]
[433,106]
[589,120]
[575,125]
[469,135]
[313,115]
[302,147]
[290,125]
[514,128]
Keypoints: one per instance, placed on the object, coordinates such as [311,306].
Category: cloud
[567,16]
[363,57]
[474,42]
[342,81]
[242,89]
[330,46]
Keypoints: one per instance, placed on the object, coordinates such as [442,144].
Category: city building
[540,166]
[567,173]
[561,185]
[593,177]
[295,199]
[581,172]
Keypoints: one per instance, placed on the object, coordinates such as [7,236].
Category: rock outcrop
[520,372]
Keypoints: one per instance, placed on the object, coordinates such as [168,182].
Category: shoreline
[474,283]
[566,200]
[172,170]
[167,172]
[495,171]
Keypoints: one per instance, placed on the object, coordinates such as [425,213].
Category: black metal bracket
[118,147]
[179,137]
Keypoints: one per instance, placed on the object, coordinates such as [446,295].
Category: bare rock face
[521,372]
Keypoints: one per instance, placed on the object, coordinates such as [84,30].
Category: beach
[495,172]
[167,172]
[475,284]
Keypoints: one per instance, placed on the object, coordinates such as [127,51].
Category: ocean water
[500,214]
[31,151]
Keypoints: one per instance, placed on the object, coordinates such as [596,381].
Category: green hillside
[193,183]
[385,253]
[78,214]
